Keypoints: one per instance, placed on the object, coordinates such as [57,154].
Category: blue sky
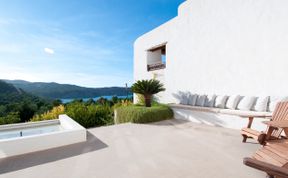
[87,43]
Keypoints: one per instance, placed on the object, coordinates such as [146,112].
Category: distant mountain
[60,91]
[6,88]
[17,105]
[10,94]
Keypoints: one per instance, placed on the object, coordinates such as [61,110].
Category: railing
[157,66]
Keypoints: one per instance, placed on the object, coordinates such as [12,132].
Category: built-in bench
[233,111]
[228,118]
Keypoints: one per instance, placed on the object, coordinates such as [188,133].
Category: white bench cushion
[183,98]
[274,100]
[247,103]
[221,101]
[262,104]
[245,113]
[210,101]
[192,99]
[201,100]
[233,101]
[223,111]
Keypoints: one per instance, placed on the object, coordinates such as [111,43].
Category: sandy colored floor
[168,149]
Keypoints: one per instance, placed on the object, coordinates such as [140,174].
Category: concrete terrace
[165,149]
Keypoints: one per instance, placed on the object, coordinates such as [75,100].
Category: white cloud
[49,51]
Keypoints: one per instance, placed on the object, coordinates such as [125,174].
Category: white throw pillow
[261,104]
[233,101]
[192,99]
[221,101]
[274,100]
[247,103]
[201,100]
[210,101]
[183,98]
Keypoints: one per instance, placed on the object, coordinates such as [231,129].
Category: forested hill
[10,94]
[59,91]
[18,106]
[6,88]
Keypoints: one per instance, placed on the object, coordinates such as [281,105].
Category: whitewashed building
[222,47]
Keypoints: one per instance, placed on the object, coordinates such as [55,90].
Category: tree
[90,101]
[3,110]
[102,101]
[114,99]
[147,88]
[27,111]
[57,102]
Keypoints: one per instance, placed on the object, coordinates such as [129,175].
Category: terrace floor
[167,149]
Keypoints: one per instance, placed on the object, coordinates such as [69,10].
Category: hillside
[10,94]
[6,88]
[59,91]
[18,106]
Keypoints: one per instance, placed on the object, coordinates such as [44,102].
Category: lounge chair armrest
[277,124]
[266,167]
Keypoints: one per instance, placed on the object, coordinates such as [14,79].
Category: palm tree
[147,88]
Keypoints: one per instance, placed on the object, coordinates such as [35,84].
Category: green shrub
[122,103]
[49,115]
[90,116]
[141,114]
[11,118]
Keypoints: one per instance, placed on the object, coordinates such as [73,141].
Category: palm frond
[147,87]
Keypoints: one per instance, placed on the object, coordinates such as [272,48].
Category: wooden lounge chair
[280,113]
[272,159]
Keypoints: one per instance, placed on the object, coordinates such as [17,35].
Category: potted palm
[147,88]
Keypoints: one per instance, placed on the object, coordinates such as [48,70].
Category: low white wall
[72,133]
[218,120]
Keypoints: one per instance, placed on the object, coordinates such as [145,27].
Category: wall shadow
[41,157]
[181,97]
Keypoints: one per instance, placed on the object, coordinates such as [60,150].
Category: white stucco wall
[221,47]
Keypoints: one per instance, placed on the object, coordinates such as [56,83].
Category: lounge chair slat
[280,113]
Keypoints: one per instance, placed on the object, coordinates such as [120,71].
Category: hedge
[141,114]
[90,116]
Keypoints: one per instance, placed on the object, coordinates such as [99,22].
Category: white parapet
[17,139]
